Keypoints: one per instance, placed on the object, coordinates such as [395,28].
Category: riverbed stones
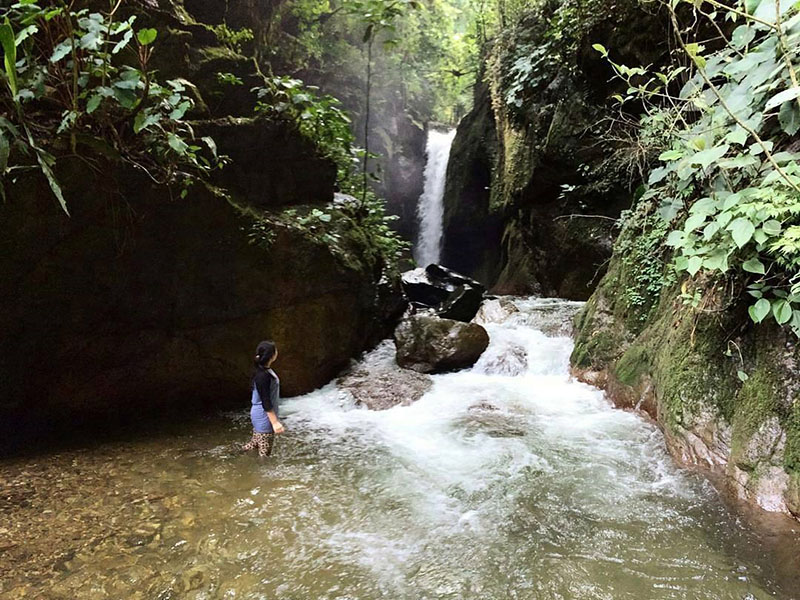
[510,360]
[429,344]
[385,388]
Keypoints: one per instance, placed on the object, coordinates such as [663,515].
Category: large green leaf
[781,97]
[717,261]
[9,44]
[60,51]
[144,120]
[695,262]
[742,231]
[760,310]
[5,150]
[675,238]
[705,158]
[45,163]
[177,144]
[782,311]
[753,265]
[772,227]
[751,5]
[694,221]
[146,36]
[789,117]
[742,35]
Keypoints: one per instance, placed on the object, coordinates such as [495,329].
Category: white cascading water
[430,209]
[512,480]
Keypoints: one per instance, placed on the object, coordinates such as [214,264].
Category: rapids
[506,481]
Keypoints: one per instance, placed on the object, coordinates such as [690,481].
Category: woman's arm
[277,426]
[264,386]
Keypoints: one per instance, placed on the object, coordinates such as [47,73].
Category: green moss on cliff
[791,455]
[756,402]
[632,365]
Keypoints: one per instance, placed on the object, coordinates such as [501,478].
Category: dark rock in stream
[450,294]
[429,344]
[462,305]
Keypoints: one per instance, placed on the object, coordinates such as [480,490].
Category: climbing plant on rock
[68,74]
[728,178]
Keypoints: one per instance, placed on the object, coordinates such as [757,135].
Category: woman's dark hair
[264,353]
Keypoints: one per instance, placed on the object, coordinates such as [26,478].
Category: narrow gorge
[531,269]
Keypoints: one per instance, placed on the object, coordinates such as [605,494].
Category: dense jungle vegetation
[712,129]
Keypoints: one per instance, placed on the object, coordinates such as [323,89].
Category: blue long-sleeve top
[267,385]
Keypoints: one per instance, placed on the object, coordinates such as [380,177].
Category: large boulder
[450,294]
[429,344]
[495,310]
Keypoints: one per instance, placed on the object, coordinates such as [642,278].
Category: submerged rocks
[384,388]
[508,359]
[495,310]
[429,344]
[450,294]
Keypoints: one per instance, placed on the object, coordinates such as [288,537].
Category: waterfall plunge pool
[506,481]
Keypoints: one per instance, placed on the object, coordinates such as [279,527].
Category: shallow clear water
[492,486]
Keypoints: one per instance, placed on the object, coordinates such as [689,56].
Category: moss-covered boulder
[429,344]
[725,391]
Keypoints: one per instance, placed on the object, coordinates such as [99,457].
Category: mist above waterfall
[430,209]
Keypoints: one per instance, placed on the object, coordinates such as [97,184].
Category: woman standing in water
[264,401]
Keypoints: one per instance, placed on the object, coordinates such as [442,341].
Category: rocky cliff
[144,300]
[723,389]
[536,176]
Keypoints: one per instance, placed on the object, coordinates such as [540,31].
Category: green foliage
[233,39]
[644,257]
[547,41]
[229,79]
[357,233]
[425,55]
[728,183]
[320,117]
[73,72]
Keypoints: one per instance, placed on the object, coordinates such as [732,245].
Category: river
[506,481]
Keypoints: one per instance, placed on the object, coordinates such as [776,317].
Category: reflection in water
[495,485]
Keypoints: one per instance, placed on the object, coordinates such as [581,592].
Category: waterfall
[430,209]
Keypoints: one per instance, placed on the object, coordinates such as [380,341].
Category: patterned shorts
[262,441]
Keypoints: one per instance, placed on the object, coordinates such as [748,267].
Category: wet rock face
[450,294]
[404,160]
[531,195]
[429,344]
[273,178]
[673,366]
[164,310]
[473,228]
